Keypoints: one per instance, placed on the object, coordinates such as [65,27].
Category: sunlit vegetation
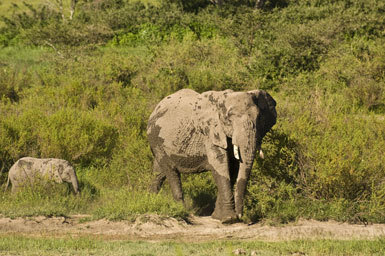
[82,89]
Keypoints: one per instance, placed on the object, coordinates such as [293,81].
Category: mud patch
[156,228]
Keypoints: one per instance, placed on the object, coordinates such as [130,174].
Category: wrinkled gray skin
[28,169]
[190,132]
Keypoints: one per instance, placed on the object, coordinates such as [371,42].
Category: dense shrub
[66,134]
[199,65]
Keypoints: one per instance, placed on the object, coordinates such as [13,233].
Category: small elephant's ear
[59,173]
[217,135]
[60,169]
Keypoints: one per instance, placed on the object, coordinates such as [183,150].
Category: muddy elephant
[220,131]
[27,170]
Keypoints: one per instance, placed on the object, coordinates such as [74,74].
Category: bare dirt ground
[155,228]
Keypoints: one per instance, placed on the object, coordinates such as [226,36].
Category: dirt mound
[153,227]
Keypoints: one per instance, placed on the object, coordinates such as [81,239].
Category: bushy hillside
[82,89]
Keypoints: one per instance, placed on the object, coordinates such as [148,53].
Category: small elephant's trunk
[75,184]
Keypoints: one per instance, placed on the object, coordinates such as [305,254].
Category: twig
[2,167]
[54,48]
[72,11]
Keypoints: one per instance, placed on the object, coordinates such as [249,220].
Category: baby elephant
[27,169]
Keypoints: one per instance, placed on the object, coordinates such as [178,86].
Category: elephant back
[173,108]
[173,119]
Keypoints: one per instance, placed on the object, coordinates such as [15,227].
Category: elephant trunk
[247,151]
[75,183]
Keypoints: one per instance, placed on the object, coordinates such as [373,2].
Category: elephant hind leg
[158,180]
[157,183]
[15,188]
[173,177]
[164,171]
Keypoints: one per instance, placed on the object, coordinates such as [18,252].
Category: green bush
[357,72]
[19,137]
[79,137]
[150,34]
[275,180]
[199,65]
[67,134]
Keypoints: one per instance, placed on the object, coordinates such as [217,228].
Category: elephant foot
[230,220]
[226,217]
[157,183]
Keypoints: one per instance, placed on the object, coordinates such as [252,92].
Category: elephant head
[66,173]
[238,122]
[245,117]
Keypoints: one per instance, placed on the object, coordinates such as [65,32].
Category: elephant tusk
[236,152]
[261,155]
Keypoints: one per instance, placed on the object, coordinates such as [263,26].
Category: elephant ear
[210,118]
[59,173]
[259,98]
[217,134]
[212,128]
[263,100]
[267,105]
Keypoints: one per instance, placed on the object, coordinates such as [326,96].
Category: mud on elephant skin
[28,170]
[220,131]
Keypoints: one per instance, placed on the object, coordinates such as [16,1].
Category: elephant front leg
[224,206]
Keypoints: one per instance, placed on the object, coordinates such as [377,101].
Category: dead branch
[54,48]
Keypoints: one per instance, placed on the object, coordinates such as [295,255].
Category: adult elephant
[219,131]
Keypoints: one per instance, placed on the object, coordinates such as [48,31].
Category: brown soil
[155,228]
